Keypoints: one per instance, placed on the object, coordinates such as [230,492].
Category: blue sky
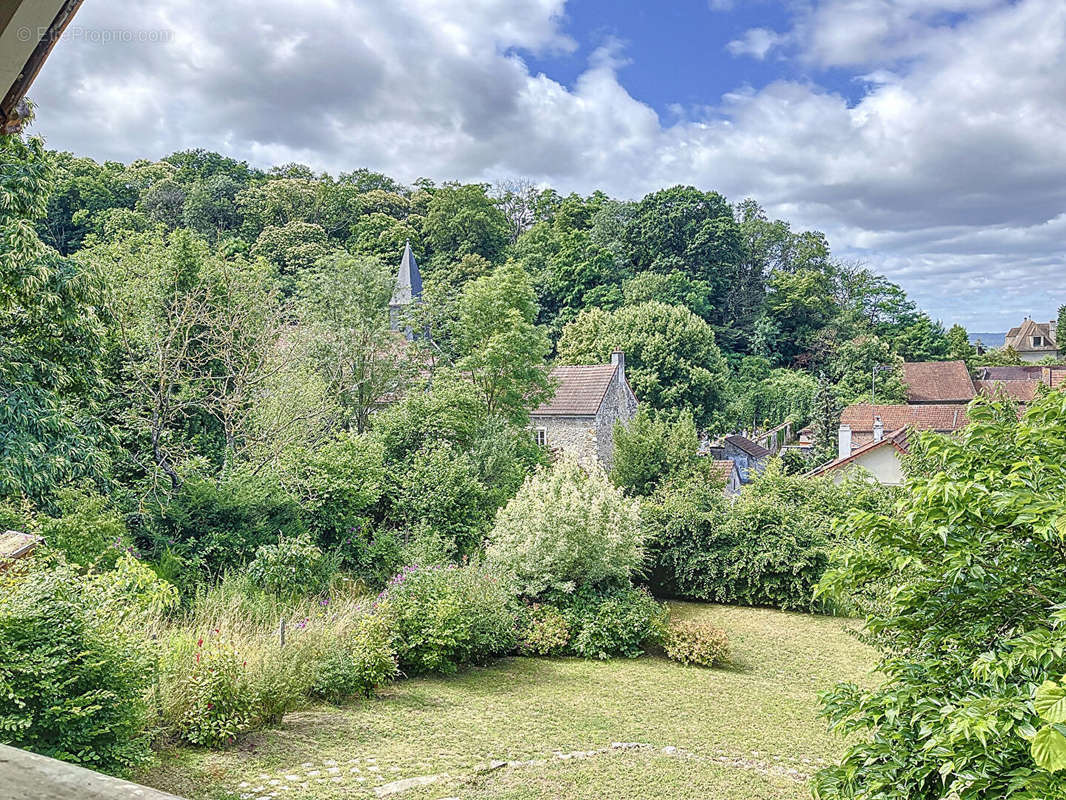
[924,137]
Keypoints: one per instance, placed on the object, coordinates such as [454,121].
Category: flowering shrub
[211,700]
[616,621]
[445,617]
[356,664]
[692,642]
[567,527]
[546,632]
[291,567]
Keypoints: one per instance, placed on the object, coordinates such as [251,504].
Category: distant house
[875,437]
[863,423]
[880,458]
[580,417]
[1035,341]
[727,473]
[930,382]
[749,457]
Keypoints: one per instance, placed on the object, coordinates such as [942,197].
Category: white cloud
[948,172]
[756,42]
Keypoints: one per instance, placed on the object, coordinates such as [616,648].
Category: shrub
[219,526]
[767,548]
[694,642]
[357,663]
[445,617]
[211,699]
[88,531]
[613,622]
[72,683]
[566,528]
[292,567]
[546,632]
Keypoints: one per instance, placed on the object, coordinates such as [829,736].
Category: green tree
[867,364]
[959,347]
[343,307]
[502,349]
[292,249]
[50,341]
[962,583]
[652,449]
[462,219]
[672,359]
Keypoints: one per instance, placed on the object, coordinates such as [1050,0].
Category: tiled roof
[1020,391]
[1056,377]
[723,470]
[1021,338]
[748,446]
[580,391]
[897,439]
[938,382]
[14,544]
[934,417]
[1029,373]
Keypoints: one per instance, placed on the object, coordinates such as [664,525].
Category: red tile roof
[932,417]
[897,439]
[580,391]
[938,382]
[1019,391]
[723,470]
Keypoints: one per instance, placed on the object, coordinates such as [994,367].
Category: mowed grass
[750,730]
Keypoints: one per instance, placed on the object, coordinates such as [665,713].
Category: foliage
[443,618]
[462,219]
[768,547]
[219,525]
[615,620]
[652,449]
[672,359]
[293,566]
[88,530]
[546,632]
[696,642]
[356,664]
[566,527]
[73,680]
[971,627]
[50,341]
[502,351]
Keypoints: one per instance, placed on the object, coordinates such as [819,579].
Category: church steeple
[408,289]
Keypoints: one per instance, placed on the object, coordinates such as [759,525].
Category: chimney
[618,359]
[844,441]
[879,429]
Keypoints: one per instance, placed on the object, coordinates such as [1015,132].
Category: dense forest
[193,338]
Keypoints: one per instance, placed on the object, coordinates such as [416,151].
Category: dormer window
[1038,341]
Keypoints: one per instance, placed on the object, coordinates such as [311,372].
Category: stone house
[579,419]
[749,456]
[726,472]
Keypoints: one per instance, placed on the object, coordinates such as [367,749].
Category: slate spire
[408,289]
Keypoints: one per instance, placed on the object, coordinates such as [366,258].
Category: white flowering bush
[567,527]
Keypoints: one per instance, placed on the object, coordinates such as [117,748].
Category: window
[541,435]
[1038,341]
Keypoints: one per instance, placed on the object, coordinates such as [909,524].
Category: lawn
[747,731]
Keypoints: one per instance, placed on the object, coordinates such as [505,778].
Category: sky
[926,138]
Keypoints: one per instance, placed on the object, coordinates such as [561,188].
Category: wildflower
[200,642]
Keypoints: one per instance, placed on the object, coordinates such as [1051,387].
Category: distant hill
[989,339]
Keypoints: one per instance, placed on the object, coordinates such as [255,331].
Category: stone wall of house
[619,405]
[573,435]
